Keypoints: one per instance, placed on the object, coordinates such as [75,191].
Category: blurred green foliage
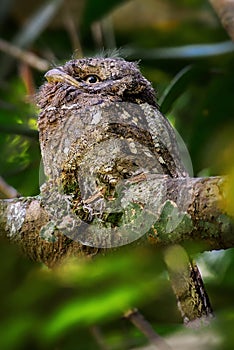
[40,307]
[20,154]
[187,55]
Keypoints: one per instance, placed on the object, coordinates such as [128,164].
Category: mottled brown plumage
[99,125]
[125,99]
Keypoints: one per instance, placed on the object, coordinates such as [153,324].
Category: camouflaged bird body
[120,107]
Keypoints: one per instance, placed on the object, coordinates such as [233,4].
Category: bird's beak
[57,75]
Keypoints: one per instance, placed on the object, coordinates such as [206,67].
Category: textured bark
[205,219]
[27,221]
[22,221]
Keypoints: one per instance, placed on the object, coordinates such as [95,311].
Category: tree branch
[225,11]
[28,57]
[145,327]
[184,209]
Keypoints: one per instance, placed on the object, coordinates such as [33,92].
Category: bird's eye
[92,79]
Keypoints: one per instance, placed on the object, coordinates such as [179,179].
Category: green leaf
[37,23]
[178,85]
[105,289]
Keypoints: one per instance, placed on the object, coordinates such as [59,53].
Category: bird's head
[95,80]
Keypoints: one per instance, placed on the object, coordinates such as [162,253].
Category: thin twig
[25,56]
[74,35]
[99,338]
[108,33]
[7,190]
[145,327]
[26,74]
[97,34]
